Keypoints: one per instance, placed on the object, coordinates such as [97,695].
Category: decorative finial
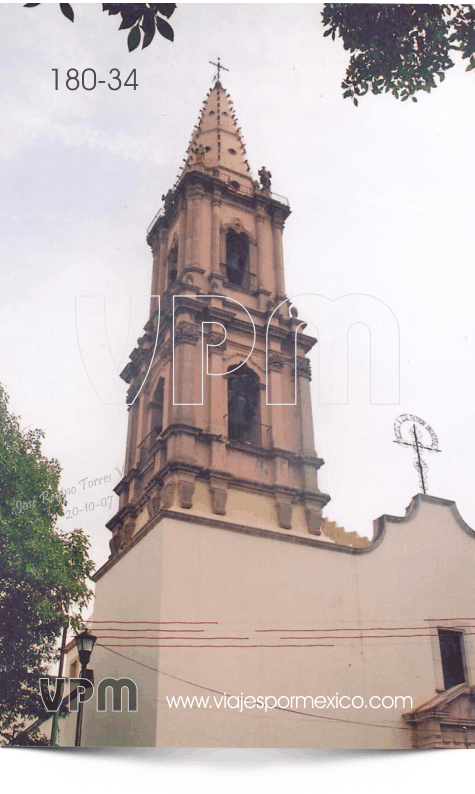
[415,440]
[219,66]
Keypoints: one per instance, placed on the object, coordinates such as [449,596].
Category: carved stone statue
[199,152]
[167,198]
[265,176]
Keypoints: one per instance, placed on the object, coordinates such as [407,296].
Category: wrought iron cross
[416,442]
[219,66]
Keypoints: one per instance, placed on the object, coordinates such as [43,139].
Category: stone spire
[216,142]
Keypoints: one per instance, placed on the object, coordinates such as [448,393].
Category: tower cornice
[219,189]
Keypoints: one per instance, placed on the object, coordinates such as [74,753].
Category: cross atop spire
[219,66]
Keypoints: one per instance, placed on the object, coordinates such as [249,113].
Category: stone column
[217,385]
[163,271]
[197,230]
[181,439]
[194,195]
[142,429]
[277,229]
[314,500]
[260,218]
[264,253]
[154,289]
[181,236]
[189,228]
[275,367]
[215,234]
[217,409]
[304,407]
[131,438]
[283,496]
[187,371]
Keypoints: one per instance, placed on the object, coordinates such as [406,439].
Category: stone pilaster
[277,230]
[215,233]
[162,280]
[187,362]
[260,218]
[194,196]
[181,235]
[304,407]
[275,374]
[154,290]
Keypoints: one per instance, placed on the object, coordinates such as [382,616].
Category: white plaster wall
[130,591]
[422,569]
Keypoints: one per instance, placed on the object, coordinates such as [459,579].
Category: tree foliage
[400,48]
[142,20]
[43,573]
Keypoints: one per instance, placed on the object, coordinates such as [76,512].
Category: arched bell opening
[157,409]
[244,414]
[173,262]
[237,258]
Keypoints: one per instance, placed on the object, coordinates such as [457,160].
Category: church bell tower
[220,425]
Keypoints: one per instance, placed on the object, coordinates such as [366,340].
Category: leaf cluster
[141,19]
[43,572]
[399,48]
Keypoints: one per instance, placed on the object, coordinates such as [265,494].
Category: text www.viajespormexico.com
[269,702]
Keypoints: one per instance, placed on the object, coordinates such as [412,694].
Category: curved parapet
[380,524]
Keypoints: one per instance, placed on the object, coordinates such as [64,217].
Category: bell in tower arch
[237,258]
[243,404]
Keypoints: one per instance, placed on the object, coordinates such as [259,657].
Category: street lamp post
[85,644]
[54,726]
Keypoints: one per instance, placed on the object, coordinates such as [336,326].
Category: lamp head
[85,644]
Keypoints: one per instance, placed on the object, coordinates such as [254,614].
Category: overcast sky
[381,199]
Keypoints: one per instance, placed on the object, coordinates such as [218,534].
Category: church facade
[225,581]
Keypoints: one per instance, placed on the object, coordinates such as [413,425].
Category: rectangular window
[451,654]
[73,669]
